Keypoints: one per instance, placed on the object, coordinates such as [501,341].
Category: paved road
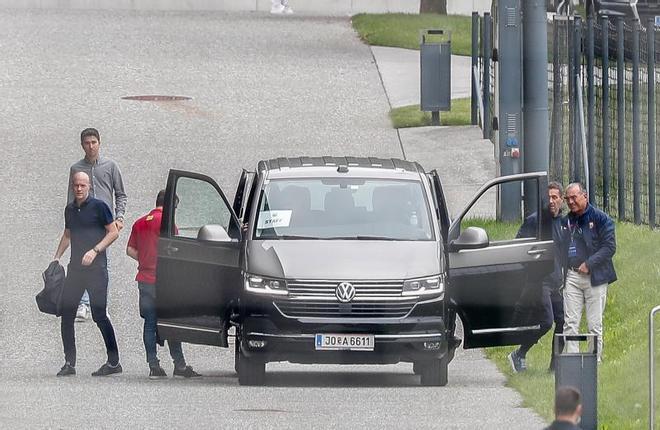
[261,86]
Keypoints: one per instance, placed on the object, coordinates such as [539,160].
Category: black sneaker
[185,372]
[107,370]
[517,362]
[67,370]
[157,372]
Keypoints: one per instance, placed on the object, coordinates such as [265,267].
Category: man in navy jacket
[587,246]
[551,309]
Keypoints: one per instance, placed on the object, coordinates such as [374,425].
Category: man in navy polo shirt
[89,228]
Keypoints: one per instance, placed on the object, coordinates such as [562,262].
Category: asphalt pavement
[260,87]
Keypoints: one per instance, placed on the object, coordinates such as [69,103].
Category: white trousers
[578,294]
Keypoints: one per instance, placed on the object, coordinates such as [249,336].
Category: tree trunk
[433,6]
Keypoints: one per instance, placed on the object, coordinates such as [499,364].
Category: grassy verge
[411,116]
[623,377]
[402,30]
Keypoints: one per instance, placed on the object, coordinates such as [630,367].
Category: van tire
[251,370]
[434,373]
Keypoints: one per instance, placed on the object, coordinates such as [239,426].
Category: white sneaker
[287,10]
[277,8]
[83,313]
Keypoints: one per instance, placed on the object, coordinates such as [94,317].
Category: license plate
[344,342]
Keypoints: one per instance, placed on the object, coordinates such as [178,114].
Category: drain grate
[154,98]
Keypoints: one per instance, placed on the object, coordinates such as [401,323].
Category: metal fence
[607,64]
[604,98]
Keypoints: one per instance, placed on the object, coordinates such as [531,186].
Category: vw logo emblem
[345,292]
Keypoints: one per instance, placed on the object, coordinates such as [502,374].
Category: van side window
[199,204]
[506,222]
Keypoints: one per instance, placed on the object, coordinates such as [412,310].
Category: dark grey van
[340,260]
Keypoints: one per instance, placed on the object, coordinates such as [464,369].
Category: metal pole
[652,363]
[636,146]
[475,58]
[650,40]
[488,52]
[620,119]
[605,82]
[572,100]
[435,118]
[555,133]
[591,97]
[578,120]
[536,146]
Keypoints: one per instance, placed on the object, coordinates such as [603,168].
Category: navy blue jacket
[529,228]
[598,233]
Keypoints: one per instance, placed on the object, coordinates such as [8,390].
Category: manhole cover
[153,98]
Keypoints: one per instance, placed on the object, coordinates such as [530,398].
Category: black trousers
[549,311]
[95,280]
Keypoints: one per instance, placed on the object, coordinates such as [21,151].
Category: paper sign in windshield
[274,219]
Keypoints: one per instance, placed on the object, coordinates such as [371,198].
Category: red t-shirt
[144,237]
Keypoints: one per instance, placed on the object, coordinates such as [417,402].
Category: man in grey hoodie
[106,184]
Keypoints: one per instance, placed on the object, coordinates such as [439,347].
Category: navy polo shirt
[87,226]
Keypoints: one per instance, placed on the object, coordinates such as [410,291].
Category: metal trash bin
[579,370]
[435,71]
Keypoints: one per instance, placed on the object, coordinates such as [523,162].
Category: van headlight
[424,286]
[263,285]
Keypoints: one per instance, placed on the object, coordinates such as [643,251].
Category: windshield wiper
[290,237]
[360,237]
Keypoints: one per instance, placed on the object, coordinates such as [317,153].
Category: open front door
[243,191]
[198,272]
[440,203]
[496,268]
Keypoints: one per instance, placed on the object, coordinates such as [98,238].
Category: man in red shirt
[143,247]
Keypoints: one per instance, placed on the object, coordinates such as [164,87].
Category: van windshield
[345,208]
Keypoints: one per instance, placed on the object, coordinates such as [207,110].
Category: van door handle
[536,252]
[171,250]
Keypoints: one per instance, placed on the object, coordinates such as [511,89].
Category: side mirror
[471,238]
[213,233]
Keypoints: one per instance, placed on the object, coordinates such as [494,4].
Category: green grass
[411,116]
[623,376]
[402,30]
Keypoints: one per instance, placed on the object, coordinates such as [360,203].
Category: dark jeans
[551,311]
[148,312]
[96,282]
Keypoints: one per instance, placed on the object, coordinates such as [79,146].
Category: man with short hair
[588,244]
[89,229]
[143,247]
[106,184]
[568,409]
[552,303]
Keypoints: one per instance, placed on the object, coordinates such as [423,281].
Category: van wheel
[251,371]
[434,372]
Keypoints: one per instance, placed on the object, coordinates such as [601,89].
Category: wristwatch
[95,249]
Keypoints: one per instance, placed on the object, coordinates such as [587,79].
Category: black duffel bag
[49,300]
